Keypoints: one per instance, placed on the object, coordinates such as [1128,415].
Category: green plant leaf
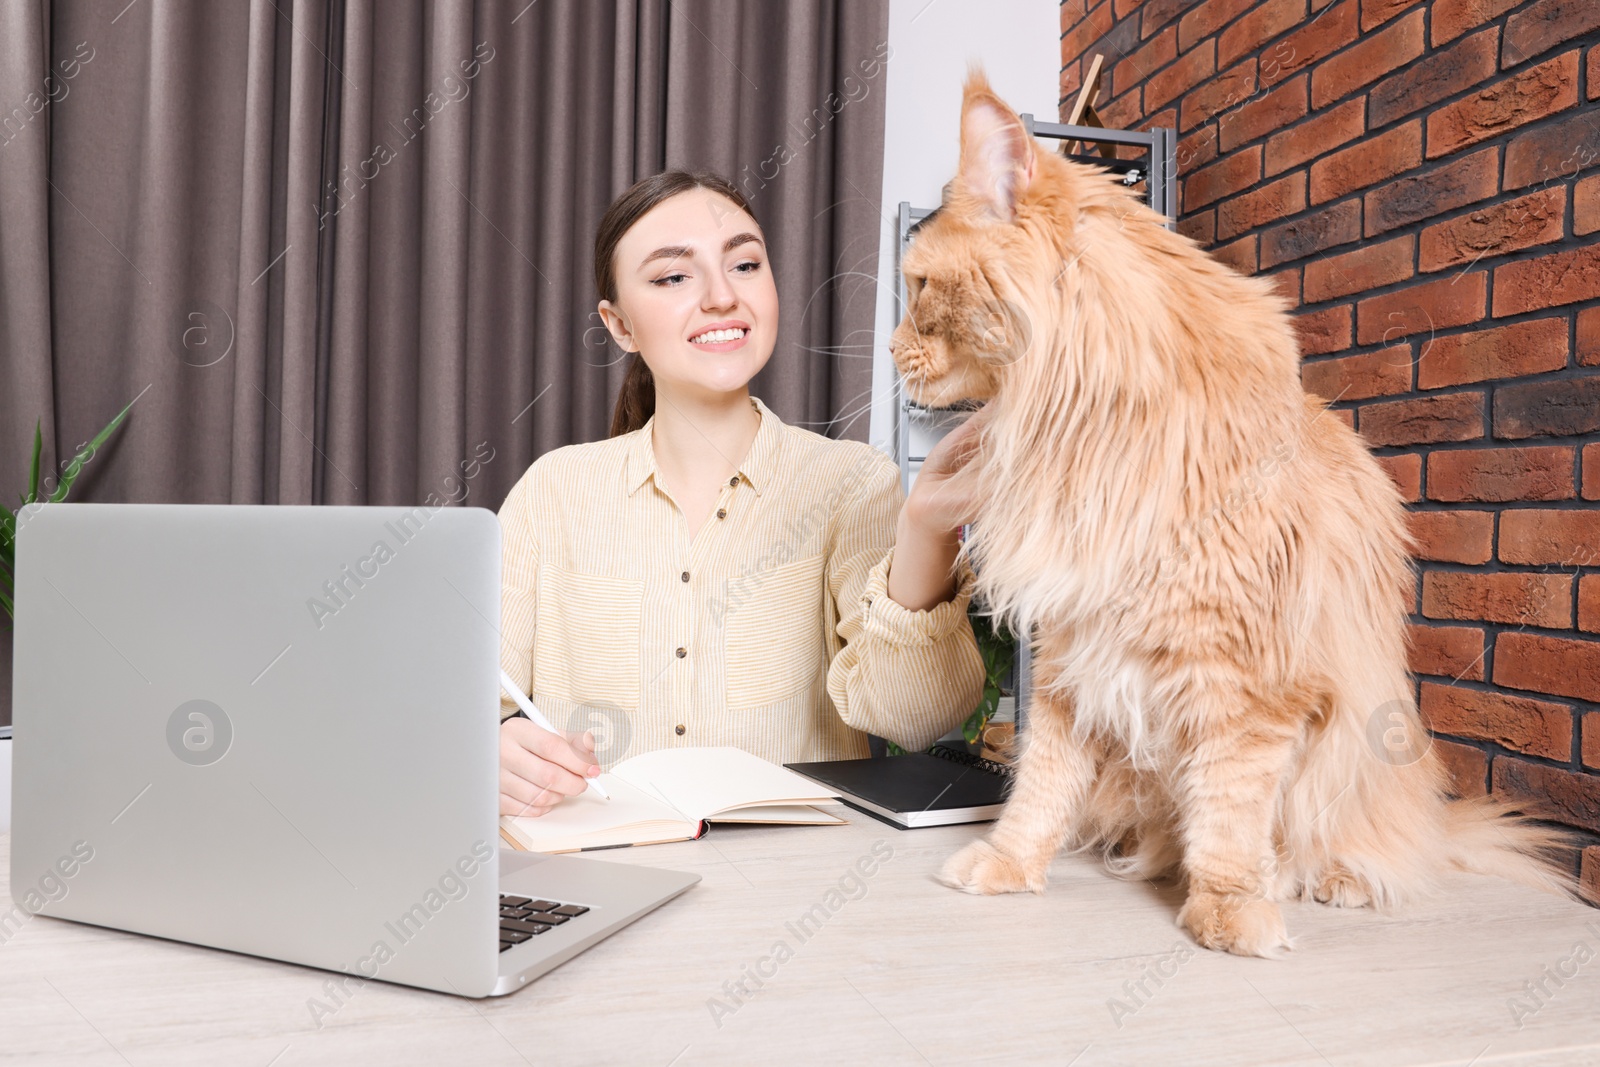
[33,470]
[70,475]
[6,601]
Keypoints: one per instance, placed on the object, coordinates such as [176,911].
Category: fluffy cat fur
[1215,569]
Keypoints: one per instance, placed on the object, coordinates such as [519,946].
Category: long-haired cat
[1214,568]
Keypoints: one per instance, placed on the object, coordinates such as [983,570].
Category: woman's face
[695,264]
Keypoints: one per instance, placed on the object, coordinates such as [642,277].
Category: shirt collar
[757,467]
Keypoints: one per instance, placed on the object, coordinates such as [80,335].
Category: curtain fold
[339,248]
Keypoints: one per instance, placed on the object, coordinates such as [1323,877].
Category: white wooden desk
[908,973]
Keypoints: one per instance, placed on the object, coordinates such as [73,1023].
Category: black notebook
[917,789]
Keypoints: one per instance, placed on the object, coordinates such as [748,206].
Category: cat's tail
[1497,836]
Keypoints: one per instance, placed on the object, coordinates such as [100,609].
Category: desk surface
[1093,972]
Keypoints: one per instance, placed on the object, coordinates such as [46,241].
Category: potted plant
[8,566]
[999,650]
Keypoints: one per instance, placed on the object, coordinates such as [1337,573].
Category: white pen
[540,721]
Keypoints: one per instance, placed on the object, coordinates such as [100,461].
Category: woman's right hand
[539,768]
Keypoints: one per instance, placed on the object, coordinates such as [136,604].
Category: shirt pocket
[586,644]
[774,634]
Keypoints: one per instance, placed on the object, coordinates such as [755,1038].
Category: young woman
[709,575]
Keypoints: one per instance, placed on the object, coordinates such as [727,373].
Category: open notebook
[668,796]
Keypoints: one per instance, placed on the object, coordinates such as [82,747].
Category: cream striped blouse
[772,630]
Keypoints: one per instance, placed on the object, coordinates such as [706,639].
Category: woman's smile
[721,336]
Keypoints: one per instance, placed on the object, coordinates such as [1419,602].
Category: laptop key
[504,945]
[513,902]
[522,926]
[570,910]
[514,934]
[541,905]
[549,917]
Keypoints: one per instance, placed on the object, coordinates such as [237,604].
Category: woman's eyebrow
[679,251]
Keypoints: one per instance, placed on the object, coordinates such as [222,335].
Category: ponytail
[637,401]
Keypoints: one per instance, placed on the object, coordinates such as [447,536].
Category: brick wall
[1422,179]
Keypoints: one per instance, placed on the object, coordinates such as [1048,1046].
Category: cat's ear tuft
[997,155]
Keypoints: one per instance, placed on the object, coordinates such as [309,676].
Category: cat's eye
[913,285]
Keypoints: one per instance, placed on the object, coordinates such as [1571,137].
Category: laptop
[275,730]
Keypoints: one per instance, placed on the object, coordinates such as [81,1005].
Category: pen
[539,720]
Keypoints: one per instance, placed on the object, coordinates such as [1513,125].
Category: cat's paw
[982,868]
[1242,925]
[1342,889]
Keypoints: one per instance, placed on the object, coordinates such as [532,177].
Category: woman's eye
[752,264]
[668,278]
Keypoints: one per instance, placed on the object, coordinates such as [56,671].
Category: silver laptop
[274,730]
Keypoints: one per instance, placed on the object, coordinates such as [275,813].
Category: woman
[709,574]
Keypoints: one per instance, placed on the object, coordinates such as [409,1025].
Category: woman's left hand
[946,494]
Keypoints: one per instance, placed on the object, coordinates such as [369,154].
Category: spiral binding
[968,759]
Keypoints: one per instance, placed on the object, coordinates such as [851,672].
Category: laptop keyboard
[524,917]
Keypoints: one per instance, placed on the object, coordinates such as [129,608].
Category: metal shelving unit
[1155,168]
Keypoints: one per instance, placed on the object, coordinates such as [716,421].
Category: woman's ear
[617,323]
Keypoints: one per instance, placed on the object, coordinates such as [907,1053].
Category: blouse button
[678,730]
[682,652]
[734,480]
[722,513]
[686,576]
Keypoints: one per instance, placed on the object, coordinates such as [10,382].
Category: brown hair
[637,401]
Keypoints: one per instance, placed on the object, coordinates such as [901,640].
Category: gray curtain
[338,248]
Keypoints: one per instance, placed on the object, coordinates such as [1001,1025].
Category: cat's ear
[997,155]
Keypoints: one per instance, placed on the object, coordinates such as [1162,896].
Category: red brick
[1084,32]
[1589,619]
[1558,278]
[1263,23]
[1157,53]
[1586,205]
[1588,347]
[1553,150]
[1197,149]
[1542,600]
[1190,70]
[1201,227]
[1537,218]
[1376,12]
[1240,254]
[1307,235]
[1123,113]
[1207,19]
[1436,77]
[1542,536]
[1467,767]
[1536,727]
[1067,87]
[1368,267]
[1452,18]
[1422,309]
[1217,95]
[1452,536]
[1322,36]
[1267,112]
[1287,283]
[1373,160]
[1316,135]
[1568,796]
[1262,205]
[1382,373]
[1430,419]
[1589,875]
[1406,473]
[1593,77]
[1541,26]
[1522,98]
[1376,55]
[1228,175]
[1553,408]
[1348,417]
[1432,192]
[1591,471]
[1542,472]
[1559,665]
[1511,351]
[1157,13]
[1446,651]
